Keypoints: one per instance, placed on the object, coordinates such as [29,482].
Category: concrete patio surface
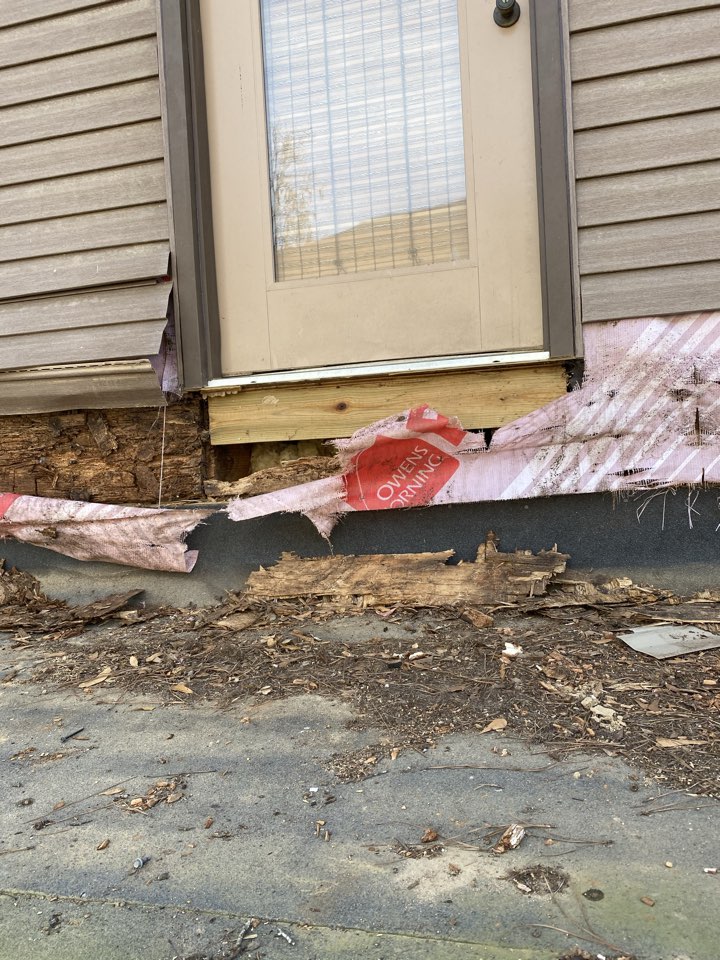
[265,829]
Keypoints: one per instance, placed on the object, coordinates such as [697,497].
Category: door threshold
[373,369]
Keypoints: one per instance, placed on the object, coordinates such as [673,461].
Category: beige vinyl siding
[124,383]
[136,60]
[84,233]
[646,120]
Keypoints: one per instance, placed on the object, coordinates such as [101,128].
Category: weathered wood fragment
[289,474]
[422,579]
[109,456]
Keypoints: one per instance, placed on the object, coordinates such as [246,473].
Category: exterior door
[373,180]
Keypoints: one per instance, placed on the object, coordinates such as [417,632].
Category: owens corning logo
[398,473]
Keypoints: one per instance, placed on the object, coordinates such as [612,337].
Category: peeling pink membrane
[647,416]
[153,539]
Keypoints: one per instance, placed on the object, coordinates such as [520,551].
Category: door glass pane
[365,134]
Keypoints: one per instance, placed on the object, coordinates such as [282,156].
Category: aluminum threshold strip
[387,367]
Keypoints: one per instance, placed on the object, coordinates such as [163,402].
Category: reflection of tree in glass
[291,189]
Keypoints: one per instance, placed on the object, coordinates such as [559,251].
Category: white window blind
[365,135]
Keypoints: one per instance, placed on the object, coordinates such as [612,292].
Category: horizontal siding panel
[654,193]
[645,95]
[94,386]
[645,293]
[145,223]
[89,231]
[96,27]
[136,143]
[80,112]
[689,138]
[650,243]
[645,43]
[84,310]
[142,183]
[111,341]
[21,11]
[585,14]
[120,63]
[93,268]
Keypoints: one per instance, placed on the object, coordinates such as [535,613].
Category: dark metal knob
[506,12]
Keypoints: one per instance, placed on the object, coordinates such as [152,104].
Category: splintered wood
[289,474]
[411,579]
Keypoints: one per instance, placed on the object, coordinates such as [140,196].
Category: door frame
[188,172]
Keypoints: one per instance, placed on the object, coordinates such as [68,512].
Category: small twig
[16,850]
[592,938]
[69,736]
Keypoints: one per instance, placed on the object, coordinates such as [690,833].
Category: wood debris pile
[538,658]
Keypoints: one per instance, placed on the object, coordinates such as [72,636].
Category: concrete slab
[263,775]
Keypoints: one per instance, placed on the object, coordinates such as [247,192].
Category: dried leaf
[100,678]
[499,723]
[181,688]
[430,836]
[395,753]
[113,791]
[59,805]
[103,845]
[208,823]
[133,661]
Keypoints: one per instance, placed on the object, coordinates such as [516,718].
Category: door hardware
[506,12]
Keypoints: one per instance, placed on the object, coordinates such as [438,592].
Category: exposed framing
[555,179]
[188,165]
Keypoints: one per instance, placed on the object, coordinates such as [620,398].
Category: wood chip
[103,845]
[238,621]
[499,723]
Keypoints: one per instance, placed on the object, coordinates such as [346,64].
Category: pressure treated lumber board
[488,397]
[420,579]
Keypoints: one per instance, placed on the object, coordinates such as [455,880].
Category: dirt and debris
[416,671]
[163,791]
[540,879]
[23,605]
